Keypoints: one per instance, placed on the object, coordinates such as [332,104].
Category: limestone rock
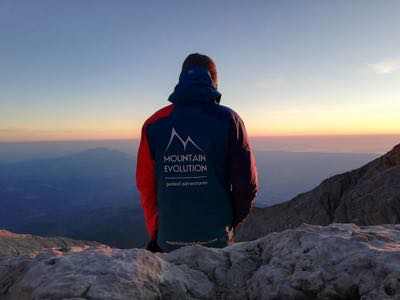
[339,261]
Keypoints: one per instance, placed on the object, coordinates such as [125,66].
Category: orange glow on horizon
[88,135]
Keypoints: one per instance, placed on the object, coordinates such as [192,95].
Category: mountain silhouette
[369,195]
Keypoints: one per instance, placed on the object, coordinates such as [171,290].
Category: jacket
[196,172]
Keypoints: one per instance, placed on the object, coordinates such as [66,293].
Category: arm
[146,176]
[146,184]
[242,171]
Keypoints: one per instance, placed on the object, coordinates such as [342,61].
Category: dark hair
[197,59]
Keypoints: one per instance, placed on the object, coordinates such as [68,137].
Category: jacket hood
[195,85]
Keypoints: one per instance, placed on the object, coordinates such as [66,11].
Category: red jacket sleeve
[146,175]
[146,184]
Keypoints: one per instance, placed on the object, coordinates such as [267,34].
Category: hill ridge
[366,196]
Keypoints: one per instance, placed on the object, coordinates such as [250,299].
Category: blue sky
[96,69]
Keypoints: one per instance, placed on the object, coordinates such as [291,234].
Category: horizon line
[311,135]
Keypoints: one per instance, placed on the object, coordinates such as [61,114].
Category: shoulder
[230,114]
[159,114]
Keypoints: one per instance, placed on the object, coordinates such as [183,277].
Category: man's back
[196,172]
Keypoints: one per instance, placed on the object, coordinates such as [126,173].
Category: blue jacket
[196,172]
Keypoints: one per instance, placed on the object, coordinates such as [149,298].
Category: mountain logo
[184,143]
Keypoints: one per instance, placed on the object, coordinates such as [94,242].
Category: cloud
[388,66]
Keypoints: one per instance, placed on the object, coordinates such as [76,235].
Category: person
[196,172]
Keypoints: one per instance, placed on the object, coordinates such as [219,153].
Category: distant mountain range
[369,195]
[91,194]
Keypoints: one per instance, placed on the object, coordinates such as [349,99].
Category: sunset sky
[97,69]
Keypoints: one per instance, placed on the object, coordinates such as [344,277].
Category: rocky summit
[369,195]
[339,261]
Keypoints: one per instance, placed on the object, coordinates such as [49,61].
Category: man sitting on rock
[195,170]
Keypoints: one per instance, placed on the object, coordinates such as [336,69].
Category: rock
[369,195]
[339,261]
[27,244]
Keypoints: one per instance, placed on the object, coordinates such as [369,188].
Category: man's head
[197,59]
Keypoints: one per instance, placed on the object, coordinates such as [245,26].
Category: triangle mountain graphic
[184,143]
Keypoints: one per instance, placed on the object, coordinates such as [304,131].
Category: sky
[97,69]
